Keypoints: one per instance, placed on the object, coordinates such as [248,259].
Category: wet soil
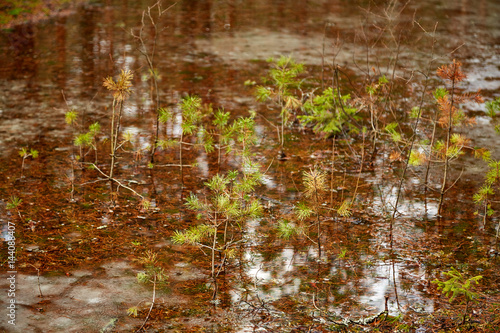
[81,249]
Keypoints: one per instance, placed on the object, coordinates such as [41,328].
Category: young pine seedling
[14,204]
[223,132]
[154,275]
[329,113]
[121,90]
[224,208]
[81,141]
[283,82]
[457,285]
[192,115]
[25,153]
[493,107]
[484,195]
[315,183]
[87,140]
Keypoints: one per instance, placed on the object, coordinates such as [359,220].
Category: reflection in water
[277,274]
[139,141]
[269,182]
[387,198]
[202,164]
[87,55]
[380,283]
[61,62]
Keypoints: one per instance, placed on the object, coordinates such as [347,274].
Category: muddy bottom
[98,235]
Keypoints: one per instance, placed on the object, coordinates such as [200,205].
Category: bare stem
[407,162]
[38,278]
[180,159]
[152,304]
[360,168]
[150,61]
[446,158]
[331,176]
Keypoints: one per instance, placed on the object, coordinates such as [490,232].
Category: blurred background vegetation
[16,11]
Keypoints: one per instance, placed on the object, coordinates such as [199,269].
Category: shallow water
[210,48]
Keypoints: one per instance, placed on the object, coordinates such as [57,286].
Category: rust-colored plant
[451,116]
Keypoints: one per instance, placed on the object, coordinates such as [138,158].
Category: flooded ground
[79,249]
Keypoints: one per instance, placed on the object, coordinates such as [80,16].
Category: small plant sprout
[121,89]
[88,140]
[416,158]
[25,153]
[493,107]
[223,208]
[328,114]
[342,254]
[81,141]
[457,285]
[192,115]
[484,195]
[315,186]
[283,82]
[287,229]
[482,198]
[14,204]
[223,133]
[146,205]
[391,129]
[344,209]
[154,275]
[71,117]
[243,131]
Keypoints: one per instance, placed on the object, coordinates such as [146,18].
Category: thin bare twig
[152,304]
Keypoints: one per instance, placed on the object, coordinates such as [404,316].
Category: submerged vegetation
[280,210]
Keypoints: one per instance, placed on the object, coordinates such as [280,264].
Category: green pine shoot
[282,82]
[287,229]
[14,202]
[327,113]
[71,117]
[458,285]
[493,107]
[25,153]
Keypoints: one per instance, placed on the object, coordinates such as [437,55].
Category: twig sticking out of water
[152,304]
[38,279]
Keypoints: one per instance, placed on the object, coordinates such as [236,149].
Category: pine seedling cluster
[121,88]
[228,204]
[328,113]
